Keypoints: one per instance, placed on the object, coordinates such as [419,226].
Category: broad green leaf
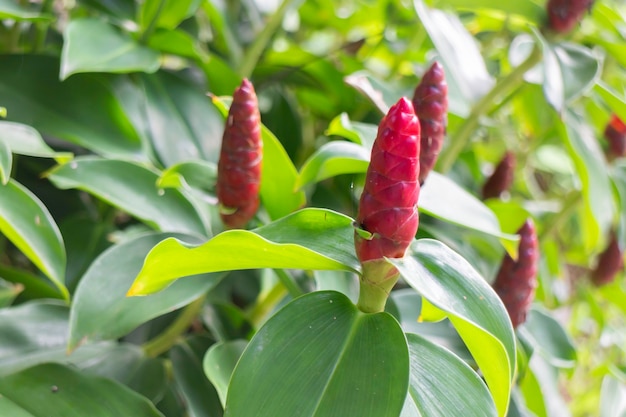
[120,10]
[90,116]
[465,68]
[34,287]
[357,132]
[344,282]
[219,363]
[24,140]
[549,339]
[196,174]
[580,69]
[178,42]
[616,102]
[460,393]
[307,239]
[101,294]
[56,389]
[320,356]
[381,95]
[534,398]
[585,151]
[93,45]
[26,222]
[11,9]
[278,177]
[332,159]
[132,188]
[547,378]
[528,9]
[450,284]
[442,198]
[200,396]
[173,115]
[165,13]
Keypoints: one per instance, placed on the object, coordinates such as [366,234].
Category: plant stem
[464,132]
[262,308]
[41,29]
[253,54]
[288,282]
[569,205]
[152,25]
[163,342]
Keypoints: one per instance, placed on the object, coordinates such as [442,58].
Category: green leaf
[320,356]
[332,159]
[10,9]
[101,294]
[362,133]
[524,8]
[199,394]
[178,42]
[166,13]
[465,68]
[34,286]
[6,162]
[90,116]
[380,94]
[8,292]
[307,239]
[460,393]
[278,176]
[616,103]
[549,338]
[613,398]
[191,174]
[132,188]
[442,198]
[26,222]
[93,45]
[56,389]
[450,284]
[219,363]
[585,151]
[24,140]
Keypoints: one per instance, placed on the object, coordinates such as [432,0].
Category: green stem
[163,342]
[253,54]
[41,29]
[375,284]
[288,282]
[263,307]
[569,206]
[464,132]
[152,25]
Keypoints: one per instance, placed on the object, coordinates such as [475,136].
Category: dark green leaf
[55,389]
[132,188]
[320,356]
[101,294]
[332,159]
[93,45]
[219,363]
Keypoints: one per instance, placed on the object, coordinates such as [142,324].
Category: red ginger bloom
[563,15]
[610,262]
[502,177]
[239,166]
[430,100]
[615,132]
[517,279]
[388,205]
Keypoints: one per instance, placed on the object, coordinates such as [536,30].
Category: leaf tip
[137,289]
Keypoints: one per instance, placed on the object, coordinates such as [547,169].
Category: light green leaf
[26,222]
[56,389]
[332,159]
[613,397]
[528,9]
[178,42]
[132,188]
[585,151]
[616,102]
[357,132]
[166,13]
[6,162]
[460,393]
[101,293]
[549,339]
[307,239]
[319,356]
[196,174]
[11,9]
[278,176]
[450,284]
[93,45]
[219,363]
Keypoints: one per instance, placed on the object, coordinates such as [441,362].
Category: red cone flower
[388,205]
[517,279]
[563,15]
[239,167]
[431,107]
[502,177]
[615,133]
[610,262]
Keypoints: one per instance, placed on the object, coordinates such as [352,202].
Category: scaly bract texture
[615,133]
[239,166]
[501,178]
[563,15]
[388,205]
[610,262]
[430,101]
[517,279]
